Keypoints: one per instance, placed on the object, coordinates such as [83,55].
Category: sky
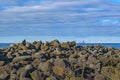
[95,21]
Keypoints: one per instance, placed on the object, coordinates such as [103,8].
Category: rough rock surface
[59,61]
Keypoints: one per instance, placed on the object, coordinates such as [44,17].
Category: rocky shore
[59,61]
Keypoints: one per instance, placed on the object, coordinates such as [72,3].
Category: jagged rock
[68,44]
[25,79]
[55,43]
[25,71]
[30,46]
[14,46]
[38,45]
[8,67]
[2,63]
[58,70]
[44,47]
[51,78]
[64,45]
[72,44]
[59,61]
[24,42]
[4,76]
[13,74]
[37,55]
[22,58]
[99,77]
[46,67]
[13,77]
[36,62]
[37,75]
[58,51]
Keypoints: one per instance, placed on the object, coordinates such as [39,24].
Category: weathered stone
[36,62]
[65,45]
[30,46]
[61,63]
[51,78]
[58,51]
[2,63]
[37,75]
[68,44]
[14,46]
[37,55]
[22,58]
[8,67]
[99,77]
[72,44]
[44,47]
[58,70]
[4,76]
[24,42]
[13,77]
[46,67]
[25,79]
[25,71]
[55,43]
[38,45]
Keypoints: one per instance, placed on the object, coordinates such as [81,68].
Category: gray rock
[51,78]
[25,72]
[22,58]
[2,63]
[37,75]
[4,76]
[46,67]
[99,77]
[55,43]
[25,79]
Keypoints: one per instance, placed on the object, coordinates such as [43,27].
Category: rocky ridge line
[59,61]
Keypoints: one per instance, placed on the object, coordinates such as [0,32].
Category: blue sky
[89,20]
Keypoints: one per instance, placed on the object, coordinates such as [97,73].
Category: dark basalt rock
[59,61]
[24,42]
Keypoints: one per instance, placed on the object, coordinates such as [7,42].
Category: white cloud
[64,12]
[110,21]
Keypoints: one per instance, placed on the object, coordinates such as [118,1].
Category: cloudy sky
[89,20]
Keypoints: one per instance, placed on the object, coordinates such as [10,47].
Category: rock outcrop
[59,61]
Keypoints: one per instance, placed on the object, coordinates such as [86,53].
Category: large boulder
[22,58]
[58,71]
[24,42]
[62,63]
[37,75]
[38,45]
[51,78]
[68,44]
[30,46]
[3,74]
[99,77]
[46,67]
[44,47]
[55,43]
[24,73]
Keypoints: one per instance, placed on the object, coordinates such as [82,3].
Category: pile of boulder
[59,61]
